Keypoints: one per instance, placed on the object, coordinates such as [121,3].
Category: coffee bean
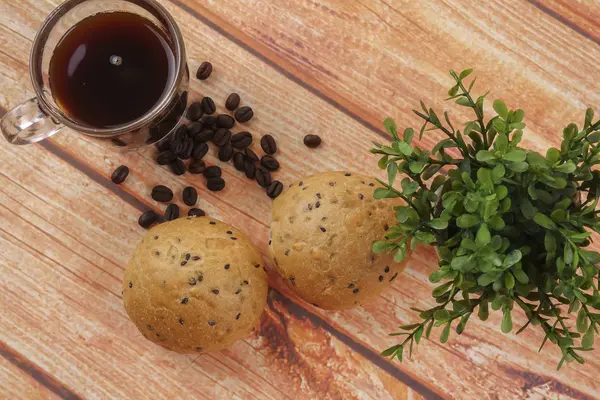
[270,163]
[197,167]
[226,153]
[194,129]
[312,141]
[187,148]
[190,196]
[238,161]
[274,189]
[225,121]
[212,172]
[200,150]
[176,148]
[222,137]
[163,145]
[179,134]
[177,167]
[172,212]
[195,112]
[147,219]
[251,155]
[244,114]
[205,136]
[162,193]
[263,177]
[232,102]
[166,157]
[249,169]
[215,184]
[208,106]
[241,140]
[204,71]
[196,212]
[120,174]
[209,121]
[268,144]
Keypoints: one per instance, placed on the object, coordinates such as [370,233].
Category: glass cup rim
[35,71]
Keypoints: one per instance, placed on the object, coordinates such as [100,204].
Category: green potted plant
[511,226]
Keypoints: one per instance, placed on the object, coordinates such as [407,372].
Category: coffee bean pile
[184,150]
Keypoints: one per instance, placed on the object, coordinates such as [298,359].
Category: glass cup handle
[28,123]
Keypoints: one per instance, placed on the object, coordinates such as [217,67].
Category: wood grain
[332,67]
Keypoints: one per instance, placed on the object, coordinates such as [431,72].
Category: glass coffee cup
[43,116]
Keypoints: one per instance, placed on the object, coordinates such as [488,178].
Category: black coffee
[110,69]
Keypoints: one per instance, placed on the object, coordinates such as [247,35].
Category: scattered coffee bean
[232,102]
[209,121]
[270,163]
[172,212]
[162,193]
[268,144]
[244,114]
[120,174]
[194,129]
[179,134]
[222,137]
[205,136]
[312,141]
[212,172]
[263,177]
[209,107]
[225,121]
[249,169]
[190,196]
[200,150]
[238,161]
[241,140]
[226,153]
[147,219]
[195,112]
[177,167]
[196,212]
[187,148]
[204,71]
[177,148]
[163,145]
[274,189]
[251,155]
[166,157]
[197,167]
[215,184]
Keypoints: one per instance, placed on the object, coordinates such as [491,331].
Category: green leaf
[390,126]
[515,156]
[419,333]
[383,162]
[568,253]
[444,144]
[582,321]
[501,142]
[430,171]
[519,115]
[527,208]
[463,323]
[408,327]
[381,246]
[485,279]
[442,289]
[445,333]
[465,73]
[485,156]
[437,276]
[400,254]
[391,350]
[463,101]
[408,135]
[506,321]
[550,242]
[483,235]
[392,170]
[501,108]
[496,223]
[552,155]
[498,173]
[404,148]
[483,311]
[567,168]
[521,276]
[409,187]
[512,258]
[509,280]
[441,315]
[518,166]
[383,193]
[438,224]
[588,339]
[543,221]
[416,167]
[467,221]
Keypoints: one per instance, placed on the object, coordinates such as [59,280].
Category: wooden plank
[22,383]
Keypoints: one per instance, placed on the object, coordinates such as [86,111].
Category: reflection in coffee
[110,69]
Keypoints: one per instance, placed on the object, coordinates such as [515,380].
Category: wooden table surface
[332,67]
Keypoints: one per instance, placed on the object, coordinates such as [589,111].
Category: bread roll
[321,236]
[195,285]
